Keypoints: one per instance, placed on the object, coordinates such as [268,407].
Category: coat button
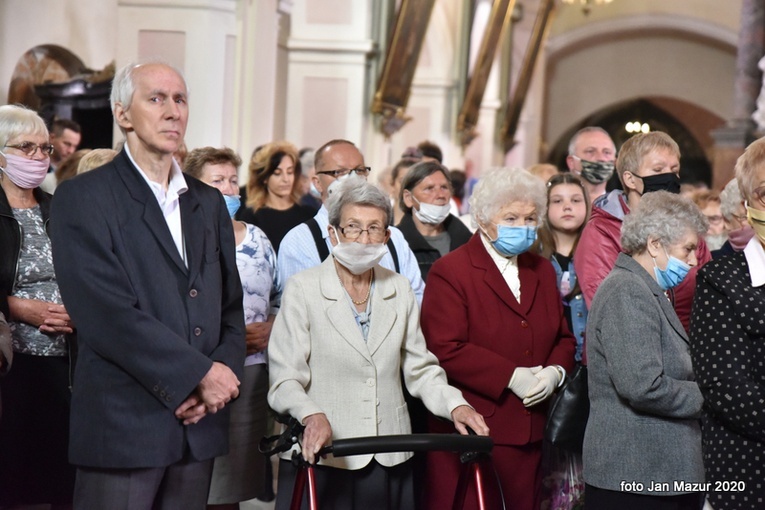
[197,331]
[193,293]
[527,412]
[524,324]
[370,382]
[527,353]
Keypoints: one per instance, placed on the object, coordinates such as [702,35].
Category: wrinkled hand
[317,433]
[49,318]
[258,334]
[218,387]
[524,380]
[466,416]
[191,410]
[548,377]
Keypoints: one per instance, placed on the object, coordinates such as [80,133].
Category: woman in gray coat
[642,447]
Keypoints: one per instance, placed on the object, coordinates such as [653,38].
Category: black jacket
[10,243]
[425,254]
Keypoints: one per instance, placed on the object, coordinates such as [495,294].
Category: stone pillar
[326,77]
[200,40]
[732,139]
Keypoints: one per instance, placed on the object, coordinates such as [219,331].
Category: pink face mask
[25,173]
[740,237]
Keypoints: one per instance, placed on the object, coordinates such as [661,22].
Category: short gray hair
[664,216]
[501,186]
[355,190]
[588,129]
[730,199]
[123,85]
[16,120]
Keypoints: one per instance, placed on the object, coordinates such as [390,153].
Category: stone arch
[47,63]
[640,59]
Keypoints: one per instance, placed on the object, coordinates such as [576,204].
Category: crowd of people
[154,313]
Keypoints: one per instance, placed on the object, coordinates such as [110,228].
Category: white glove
[523,380]
[548,379]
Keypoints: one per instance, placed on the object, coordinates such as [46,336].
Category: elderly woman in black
[427,225]
[35,424]
[728,349]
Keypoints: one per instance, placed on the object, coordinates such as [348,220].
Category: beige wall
[586,79]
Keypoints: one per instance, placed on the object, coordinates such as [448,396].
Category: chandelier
[586,4]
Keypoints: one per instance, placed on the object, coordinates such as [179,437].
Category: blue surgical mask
[232,203]
[512,241]
[675,273]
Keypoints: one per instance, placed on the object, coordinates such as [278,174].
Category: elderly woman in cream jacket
[346,331]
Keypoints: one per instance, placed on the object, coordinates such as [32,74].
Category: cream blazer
[319,362]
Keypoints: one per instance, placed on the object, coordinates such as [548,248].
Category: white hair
[730,199]
[355,190]
[16,120]
[501,186]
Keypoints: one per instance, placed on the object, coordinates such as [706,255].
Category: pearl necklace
[369,290]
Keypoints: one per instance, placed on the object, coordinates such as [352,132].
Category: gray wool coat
[643,432]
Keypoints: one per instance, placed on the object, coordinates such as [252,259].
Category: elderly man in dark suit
[145,257]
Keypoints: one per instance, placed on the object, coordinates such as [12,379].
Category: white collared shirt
[168,200]
[755,259]
[508,268]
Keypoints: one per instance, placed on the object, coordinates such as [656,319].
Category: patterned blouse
[35,279]
[256,261]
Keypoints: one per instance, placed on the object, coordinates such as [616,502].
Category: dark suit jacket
[481,334]
[149,328]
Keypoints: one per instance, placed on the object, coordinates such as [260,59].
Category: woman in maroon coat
[492,314]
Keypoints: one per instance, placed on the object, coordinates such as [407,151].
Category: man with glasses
[308,244]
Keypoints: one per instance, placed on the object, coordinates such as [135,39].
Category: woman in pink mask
[34,430]
[737,229]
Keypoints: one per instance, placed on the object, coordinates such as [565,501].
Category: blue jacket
[577,304]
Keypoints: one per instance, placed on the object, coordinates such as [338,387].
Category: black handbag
[568,413]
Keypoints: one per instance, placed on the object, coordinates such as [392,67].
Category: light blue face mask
[512,241]
[232,203]
[675,273]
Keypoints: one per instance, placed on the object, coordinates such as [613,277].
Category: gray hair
[355,190]
[123,85]
[501,186]
[730,199]
[588,129]
[16,120]
[663,216]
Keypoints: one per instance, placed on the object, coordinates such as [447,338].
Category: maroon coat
[480,334]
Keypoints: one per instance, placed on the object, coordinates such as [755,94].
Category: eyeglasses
[361,172]
[30,148]
[352,232]
[759,195]
[715,220]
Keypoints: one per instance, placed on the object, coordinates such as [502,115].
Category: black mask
[661,182]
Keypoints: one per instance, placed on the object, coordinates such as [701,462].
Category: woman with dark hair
[568,208]
[427,225]
[273,192]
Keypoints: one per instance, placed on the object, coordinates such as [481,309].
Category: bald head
[334,155]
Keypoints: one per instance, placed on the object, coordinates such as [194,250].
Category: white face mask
[431,214]
[359,258]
